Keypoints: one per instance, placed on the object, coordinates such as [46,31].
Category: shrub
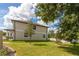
[3,52]
[7,37]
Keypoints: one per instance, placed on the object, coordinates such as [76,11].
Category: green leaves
[69,25]
[3,52]
[47,11]
[29,30]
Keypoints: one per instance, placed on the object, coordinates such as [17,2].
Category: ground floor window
[10,34]
[43,35]
[25,35]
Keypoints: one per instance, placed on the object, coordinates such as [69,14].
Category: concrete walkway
[6,42]
[63,41]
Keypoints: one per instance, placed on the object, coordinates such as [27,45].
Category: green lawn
[24,48]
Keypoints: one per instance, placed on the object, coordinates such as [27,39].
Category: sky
[4,10]
[20,11]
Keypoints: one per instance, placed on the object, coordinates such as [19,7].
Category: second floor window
[34,27]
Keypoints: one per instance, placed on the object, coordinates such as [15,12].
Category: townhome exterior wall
[21,27]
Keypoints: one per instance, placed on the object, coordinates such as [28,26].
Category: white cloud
[41,22]
[23,12]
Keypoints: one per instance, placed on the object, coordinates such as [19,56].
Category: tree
[1,40]
[51,34]
[69,25]
[29,31]
[47,11]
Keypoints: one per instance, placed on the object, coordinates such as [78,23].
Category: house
[19,27]
[9,33]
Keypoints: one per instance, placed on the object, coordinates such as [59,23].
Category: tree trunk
[46,32]
[1,40]
[30,38]
[46,35]
[74,44]
[57,40]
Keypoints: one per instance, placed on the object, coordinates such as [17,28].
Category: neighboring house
[9,33]
[19,27]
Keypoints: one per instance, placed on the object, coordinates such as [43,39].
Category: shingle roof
[27,23]
[9,29]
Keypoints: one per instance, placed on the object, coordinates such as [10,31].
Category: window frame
[25,34]
[34,27]
[44,35]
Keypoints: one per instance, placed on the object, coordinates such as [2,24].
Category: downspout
[46,34]
[14,31]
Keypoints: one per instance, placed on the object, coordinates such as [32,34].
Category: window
[10,34]
[34,27]
[43,35]
[25,35]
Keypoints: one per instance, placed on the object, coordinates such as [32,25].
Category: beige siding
[19,35]
[38,36]
[21,27]
[40,29]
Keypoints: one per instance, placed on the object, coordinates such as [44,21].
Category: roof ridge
[27,22]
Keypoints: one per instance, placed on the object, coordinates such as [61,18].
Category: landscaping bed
[7,51]
[3,52]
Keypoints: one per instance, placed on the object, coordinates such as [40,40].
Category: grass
[45,48]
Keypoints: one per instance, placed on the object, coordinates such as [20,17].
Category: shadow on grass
[40,44]
[71,49]
[30,40]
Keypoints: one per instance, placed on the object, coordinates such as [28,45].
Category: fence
[1,40]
